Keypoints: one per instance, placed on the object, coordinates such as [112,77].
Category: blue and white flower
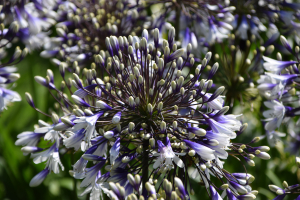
[166,156]
[274,115]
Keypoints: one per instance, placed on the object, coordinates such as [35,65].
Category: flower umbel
[140,114]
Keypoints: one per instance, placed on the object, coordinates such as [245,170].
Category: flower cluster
[202,23]
[263,16]
[8,76]
[7,70]
[82,27]
[34,19]
[27,22]
[293,189]
[279,86]
[140,114]
[147,117]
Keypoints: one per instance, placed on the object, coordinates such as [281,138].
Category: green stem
[33,92]
[177,22]
[145,172]
[74,180]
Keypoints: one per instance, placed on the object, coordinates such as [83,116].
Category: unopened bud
[29,99]
[224,186]
[131,126]
[285,184]
[150,108]
[192,153]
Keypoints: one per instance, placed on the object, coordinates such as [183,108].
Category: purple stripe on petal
[92,157]
[168,142]
[82,93]
[214,194]
[39,178]
[230,195]
[114,151]
[205,152]
[80,101]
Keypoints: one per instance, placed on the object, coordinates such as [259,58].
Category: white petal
[178,162]
[157,163]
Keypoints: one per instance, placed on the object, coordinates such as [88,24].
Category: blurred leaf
[272,176]
[267,193]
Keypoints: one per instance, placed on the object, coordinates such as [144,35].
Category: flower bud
[150,108]
[202,167]
[192,153]
[274,188]
[278,56]
[189,48]
[67,122]
[109,134]
[137,101]
[280,192]
[14,26]
[182,91]
[29,99]
[161,82]
[160,64]
[256,139]
[131,126]
[285,184]
[263,155]
[204,62]
[140,80]
[163,126]
[54,118]
[174,125]
[285,43]
[131,101]
[79,101]
[251,163]
[152,143]
[116,118]
[224,186]
[103,105]
[213,142]
[167,52]
[160,106]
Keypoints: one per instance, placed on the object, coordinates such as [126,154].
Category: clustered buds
[146,110]
[82,30]
[139,103]
[282,192]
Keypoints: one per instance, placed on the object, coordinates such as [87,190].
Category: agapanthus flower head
[263,16]
[140,114]
[279,85]
[241,63]
[8,74]
[83,26]
[201,23]
[34,19]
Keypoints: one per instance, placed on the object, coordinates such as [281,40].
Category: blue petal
[81,93]
[114,151]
